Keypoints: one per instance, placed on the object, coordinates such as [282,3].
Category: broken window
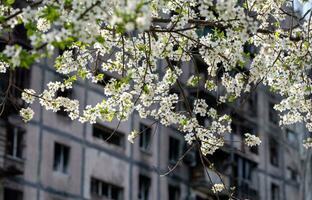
[145,136]
[108,135]
[144,187]
[14,143]
[102,189]
[61,158]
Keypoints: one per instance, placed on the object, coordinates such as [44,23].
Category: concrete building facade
[54,158]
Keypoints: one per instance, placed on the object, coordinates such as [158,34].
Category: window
[145,136]
[291,174]
[244,168]
[273,145]
[11,194]
[108,135]
[252,104]
[144,187]
[174,149]
[173,192]
[273,117]
[274,192]
[61,158]
[102,189]
[14,143]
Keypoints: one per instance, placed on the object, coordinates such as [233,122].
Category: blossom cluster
[252,140]
[218,187]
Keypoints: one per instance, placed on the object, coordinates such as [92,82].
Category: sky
[302,7]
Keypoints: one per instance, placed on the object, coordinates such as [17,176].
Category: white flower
[252,140]
[26,114]
[218,187]
[3,67]
[130,26]
[200,107]
[132,136]
[43,25]
[307,143]
[28,95]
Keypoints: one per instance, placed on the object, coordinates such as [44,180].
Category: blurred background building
[54,158]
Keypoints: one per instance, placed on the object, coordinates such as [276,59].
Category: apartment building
[54,158]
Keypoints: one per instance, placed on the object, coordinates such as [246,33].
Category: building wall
[92,157]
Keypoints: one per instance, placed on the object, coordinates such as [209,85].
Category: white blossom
[26,114]
[218,187]
[43,25]
[252,140]
[307,143]
[3,67]
[28,95]
[132,136]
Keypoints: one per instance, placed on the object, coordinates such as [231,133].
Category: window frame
[275,189]
[145,137]
[60,163]
[146,182]
[100,184]
[105,133]
[17,145]
[179,144]
[274,145]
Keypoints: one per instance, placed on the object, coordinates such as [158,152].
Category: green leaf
[27,58]
[9,2]
[145,89]
[51,13]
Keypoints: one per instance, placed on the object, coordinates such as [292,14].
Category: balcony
[11,150]
[204,178]
[246,189]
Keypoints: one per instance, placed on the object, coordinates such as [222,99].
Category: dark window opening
[61,158]
[145,136]
[108,135]
[173,192]
[144,187]
[274,192]
[273,116]
[291,174]
[15,136]
[251,105]
[174,149]
[11,194]
[102,189]
[274,154]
